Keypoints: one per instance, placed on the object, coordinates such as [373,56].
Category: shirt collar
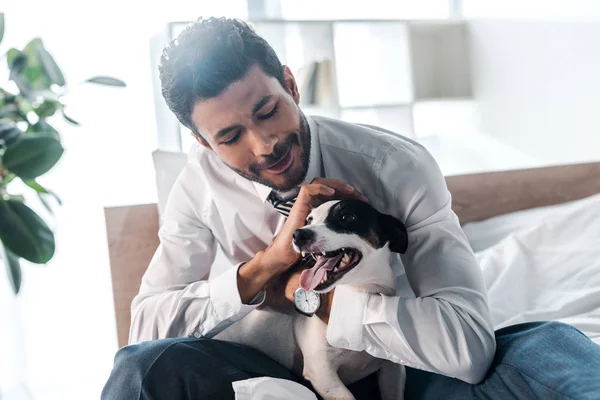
[314,165]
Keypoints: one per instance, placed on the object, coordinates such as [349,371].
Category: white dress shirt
[438,320]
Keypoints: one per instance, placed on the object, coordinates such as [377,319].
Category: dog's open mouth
[329,267]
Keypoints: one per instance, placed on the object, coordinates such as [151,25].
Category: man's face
[257,129]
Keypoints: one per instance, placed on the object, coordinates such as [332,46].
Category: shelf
[398,120]
[373,63]
[373,106]
[387,72]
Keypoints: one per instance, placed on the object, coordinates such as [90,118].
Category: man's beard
[294,178]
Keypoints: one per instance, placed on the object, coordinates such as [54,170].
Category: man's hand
[280,255]
[326,298]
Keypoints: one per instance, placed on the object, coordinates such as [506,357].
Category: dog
[349,243]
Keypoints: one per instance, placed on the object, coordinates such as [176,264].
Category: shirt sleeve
[447,328]
[176,299]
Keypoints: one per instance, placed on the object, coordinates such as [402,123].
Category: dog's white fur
[299,343]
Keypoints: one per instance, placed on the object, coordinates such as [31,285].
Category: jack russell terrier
[349,243]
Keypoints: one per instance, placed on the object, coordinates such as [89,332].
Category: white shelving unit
[370,71]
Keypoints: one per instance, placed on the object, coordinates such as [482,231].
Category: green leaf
[15,60]
[9,132]
[53,72]
[32,183]
[69,119]
[24,233]
[17,64]
[1,26]
[32,156]
[31,48]
[11,56]
[47,108]
[34,70]
[42,190]
[43,128]
[25,105]
[106,80]
[45,203]
[13,269]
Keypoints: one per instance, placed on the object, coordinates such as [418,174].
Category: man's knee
[536,336]
[134,363]
[552,354]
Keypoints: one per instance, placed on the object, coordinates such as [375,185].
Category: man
[256,146]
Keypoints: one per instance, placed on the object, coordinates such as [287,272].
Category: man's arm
[447,328]
[177,300]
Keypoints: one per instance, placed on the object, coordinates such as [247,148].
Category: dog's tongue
[310,278]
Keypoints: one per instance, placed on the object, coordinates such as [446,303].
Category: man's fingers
[306,201]
[338,186]
[320,191]
[341,188]
[315,189]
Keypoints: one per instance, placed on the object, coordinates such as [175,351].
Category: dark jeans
[542,360]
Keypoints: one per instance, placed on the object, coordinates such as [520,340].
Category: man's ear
[291,84]
[202,142]
[394,232]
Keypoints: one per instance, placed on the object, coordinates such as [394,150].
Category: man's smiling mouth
[282,164]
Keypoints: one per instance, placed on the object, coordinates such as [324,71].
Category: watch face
[306,302]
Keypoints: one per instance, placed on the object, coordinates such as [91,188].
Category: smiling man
[258,169]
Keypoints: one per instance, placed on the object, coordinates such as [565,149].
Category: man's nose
[302,236]
[263,143]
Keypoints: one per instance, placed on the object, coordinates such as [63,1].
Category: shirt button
[196,334]
[344,343]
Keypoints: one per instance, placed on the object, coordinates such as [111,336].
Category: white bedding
[549,270]
[539,264]
[544,266]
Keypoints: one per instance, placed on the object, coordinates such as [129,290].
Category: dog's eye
[348,217]
[308,220]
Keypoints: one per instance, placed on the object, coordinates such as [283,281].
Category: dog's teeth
[303,254]
[322,253]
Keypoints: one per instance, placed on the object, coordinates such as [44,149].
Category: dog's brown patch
[373,239]
[280,289]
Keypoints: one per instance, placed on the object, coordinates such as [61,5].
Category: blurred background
[485,85]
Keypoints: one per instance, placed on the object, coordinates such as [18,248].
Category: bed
[535,232]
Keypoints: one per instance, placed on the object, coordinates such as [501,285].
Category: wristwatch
[306,302]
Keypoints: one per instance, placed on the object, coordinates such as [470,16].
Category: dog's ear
[394,232]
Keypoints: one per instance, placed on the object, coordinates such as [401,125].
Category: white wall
[575,10]
[537,86]
[58,339]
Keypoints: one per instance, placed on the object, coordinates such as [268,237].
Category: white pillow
[486,233]
[167,166]
[549,271]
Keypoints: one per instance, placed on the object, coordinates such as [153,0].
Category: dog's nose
[302,236]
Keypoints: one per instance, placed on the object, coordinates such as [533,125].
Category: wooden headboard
[132,230]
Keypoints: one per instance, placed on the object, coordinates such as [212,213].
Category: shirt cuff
[345,327]
[225,296]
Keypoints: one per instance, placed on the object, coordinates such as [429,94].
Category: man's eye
[232,140]
[269,114]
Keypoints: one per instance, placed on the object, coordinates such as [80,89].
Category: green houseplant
[30,146]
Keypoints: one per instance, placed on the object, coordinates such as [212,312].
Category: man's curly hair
[206,58]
